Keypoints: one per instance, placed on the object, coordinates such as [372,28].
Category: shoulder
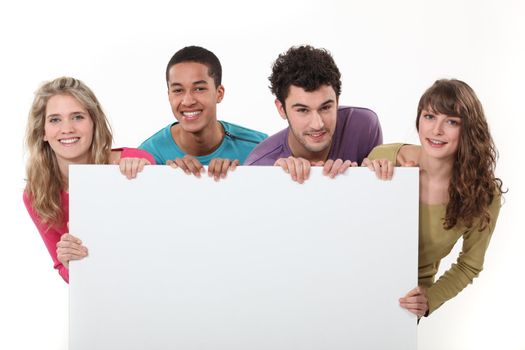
[27,201]
[269,150]
[497,202]
[241,133]
[359,123]
[159,136]
[357,115]
[494,207]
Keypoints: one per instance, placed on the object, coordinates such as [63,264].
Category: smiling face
[312,118]
[439,134]
[193,96]
[68,129]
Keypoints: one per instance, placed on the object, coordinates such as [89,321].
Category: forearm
[452,282]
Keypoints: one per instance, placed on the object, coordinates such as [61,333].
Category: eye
[326,108]
[200,88]
[302,110]
[78,117]
[429,116]
[53,120]
[453,122]
[176,91]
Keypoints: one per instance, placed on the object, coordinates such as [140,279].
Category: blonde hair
[44,179]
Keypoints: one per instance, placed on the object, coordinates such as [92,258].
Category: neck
[436,169]
[199,143]
[299,151]
[434,179]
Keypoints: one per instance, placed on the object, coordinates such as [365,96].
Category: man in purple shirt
[307,83]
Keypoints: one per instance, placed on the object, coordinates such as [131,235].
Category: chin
[317,148]
[191,127]
[441,154]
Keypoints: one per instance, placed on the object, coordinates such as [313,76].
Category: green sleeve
[388,151]
[468,265]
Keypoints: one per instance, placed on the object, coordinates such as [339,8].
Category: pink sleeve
[137,153]
[51,237]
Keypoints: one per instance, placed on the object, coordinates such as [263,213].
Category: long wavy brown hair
[473,185]
[44,179]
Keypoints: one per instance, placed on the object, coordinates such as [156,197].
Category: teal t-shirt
[237,143]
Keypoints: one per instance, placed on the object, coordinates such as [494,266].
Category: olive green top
[435,243]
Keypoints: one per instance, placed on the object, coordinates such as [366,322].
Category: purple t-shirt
[357,132]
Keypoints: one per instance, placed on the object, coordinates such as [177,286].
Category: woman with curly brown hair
[459,195]
[67,125]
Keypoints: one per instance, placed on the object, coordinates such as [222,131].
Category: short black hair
[200,55]
[306,67]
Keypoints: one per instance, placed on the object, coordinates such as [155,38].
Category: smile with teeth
[436,142]
[191,115]
[69,141]
[316,133]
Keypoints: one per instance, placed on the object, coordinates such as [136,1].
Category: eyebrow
[194,83]
[59,115]
[305,106]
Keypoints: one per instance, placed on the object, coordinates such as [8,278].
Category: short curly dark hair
[306,67]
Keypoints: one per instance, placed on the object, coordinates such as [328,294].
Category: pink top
[51,234]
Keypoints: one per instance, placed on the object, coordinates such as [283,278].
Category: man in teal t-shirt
[193,76]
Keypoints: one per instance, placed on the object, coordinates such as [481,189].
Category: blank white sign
[254,261]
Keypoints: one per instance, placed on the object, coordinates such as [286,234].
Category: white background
[388,53]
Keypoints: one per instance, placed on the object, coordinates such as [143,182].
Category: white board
[254,261]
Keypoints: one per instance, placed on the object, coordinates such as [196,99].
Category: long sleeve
[50,236]
[387,151]
[468,265]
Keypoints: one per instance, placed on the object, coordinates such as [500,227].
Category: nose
[317,122]
[188,99]
[67,126]
[438,127]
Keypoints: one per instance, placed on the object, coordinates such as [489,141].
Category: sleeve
[261,156]
[50,237]
[468,265]
[388,151]
[137,153]
[250,160]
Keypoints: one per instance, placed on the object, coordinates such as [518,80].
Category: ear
[220,93]
[280,109]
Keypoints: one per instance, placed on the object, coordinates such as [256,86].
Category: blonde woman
[460,196]
[66,125]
